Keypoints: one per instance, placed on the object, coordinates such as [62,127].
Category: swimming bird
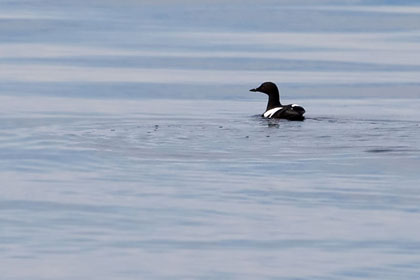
[275,110]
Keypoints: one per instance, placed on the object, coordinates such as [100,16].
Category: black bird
[274,109]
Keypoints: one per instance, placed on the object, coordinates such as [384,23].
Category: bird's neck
[273,102]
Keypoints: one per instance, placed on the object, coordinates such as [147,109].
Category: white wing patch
[295,105]
[271,112]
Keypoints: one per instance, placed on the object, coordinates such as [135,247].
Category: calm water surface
[131,148]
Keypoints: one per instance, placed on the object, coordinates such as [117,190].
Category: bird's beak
[253,89]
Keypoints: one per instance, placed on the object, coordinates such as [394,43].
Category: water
[130,147]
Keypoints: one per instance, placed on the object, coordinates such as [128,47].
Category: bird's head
[267,88]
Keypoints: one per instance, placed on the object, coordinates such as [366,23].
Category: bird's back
[289,112]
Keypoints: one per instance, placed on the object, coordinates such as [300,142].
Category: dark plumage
[275,109]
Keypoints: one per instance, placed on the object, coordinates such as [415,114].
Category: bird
[275,110]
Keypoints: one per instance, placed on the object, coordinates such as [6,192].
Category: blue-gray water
[131,148]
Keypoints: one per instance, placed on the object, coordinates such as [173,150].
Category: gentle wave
[50,73]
